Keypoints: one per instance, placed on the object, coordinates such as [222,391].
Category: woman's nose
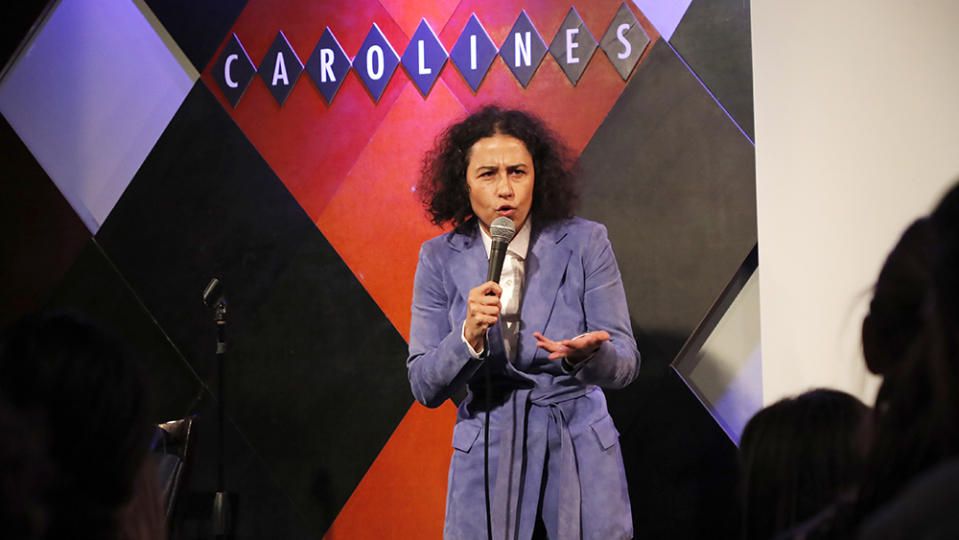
[504,187]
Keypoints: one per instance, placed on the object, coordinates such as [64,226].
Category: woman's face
[500,180]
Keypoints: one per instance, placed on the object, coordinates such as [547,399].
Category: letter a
[279,71]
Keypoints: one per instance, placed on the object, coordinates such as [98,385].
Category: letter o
[378,51]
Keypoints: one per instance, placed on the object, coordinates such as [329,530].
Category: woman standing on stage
[553,331]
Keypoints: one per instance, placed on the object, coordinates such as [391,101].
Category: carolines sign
[425,57]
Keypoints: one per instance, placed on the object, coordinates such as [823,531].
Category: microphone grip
[497,254]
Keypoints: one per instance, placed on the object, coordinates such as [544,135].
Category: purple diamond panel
[375,62]
[280,68]
[233,71]
[573,46]
[424,58]
[473,52]
[523,49]
[328,65]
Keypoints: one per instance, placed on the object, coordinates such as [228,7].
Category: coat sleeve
[439,363]
[616,363]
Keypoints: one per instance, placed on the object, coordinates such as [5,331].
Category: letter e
[570,45]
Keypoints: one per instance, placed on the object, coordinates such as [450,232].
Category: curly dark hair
[443,188]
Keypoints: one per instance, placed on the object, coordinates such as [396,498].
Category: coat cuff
[473,353]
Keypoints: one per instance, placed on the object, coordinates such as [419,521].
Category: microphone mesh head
[502,228]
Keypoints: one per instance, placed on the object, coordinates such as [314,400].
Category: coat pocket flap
[606,432]
[464,435]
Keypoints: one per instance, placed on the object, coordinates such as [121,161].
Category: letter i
[473,52]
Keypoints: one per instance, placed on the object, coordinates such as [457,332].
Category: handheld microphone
[501,231]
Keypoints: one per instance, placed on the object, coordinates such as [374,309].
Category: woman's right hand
[482,311]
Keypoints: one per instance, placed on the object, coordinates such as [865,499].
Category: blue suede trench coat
[552,443]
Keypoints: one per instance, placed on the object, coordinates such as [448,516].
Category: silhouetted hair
[798,456]
[443,188]
[917,413]
[69,374]
[26,473]
[895,315]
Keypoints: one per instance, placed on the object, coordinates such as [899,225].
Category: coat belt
[512,465]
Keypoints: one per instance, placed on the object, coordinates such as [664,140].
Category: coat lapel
[546,265]
[468,266]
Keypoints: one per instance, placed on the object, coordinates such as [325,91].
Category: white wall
[857,134]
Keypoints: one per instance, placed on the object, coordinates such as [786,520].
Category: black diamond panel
[93,287]
[673,180]
[681,468]
[259,507]
[714,39]
[197,27]
[315,378]
[262,508]
[319,381]
[42,235]
[204,204]
[18,18]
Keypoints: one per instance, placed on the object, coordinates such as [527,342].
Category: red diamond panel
[403,495]
[311,145]
[375,221]
[408,13]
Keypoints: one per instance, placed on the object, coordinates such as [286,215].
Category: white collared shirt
[511,280]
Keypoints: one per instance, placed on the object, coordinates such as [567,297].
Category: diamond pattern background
[305,206]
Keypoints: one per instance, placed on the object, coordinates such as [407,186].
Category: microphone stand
[502,231]
[213,296]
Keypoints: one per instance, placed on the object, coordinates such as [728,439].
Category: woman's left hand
[576,349]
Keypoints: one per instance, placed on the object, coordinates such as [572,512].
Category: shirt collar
[518,246]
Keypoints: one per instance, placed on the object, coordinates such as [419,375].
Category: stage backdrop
[150,146]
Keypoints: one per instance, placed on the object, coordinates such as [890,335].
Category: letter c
[226,71]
